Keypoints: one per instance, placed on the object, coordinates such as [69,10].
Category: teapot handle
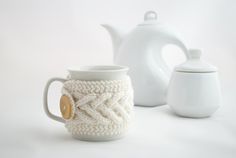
[45,99]
[180,44]
[177,42]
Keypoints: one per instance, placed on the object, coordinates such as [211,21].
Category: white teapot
[141,51]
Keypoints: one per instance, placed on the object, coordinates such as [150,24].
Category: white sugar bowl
[194,89]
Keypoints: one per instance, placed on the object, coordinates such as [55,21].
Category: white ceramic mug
[96,102]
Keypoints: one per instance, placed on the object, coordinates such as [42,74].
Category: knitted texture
[100,108]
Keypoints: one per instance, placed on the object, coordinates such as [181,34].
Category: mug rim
[98,68]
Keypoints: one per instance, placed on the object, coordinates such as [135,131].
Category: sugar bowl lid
[195,64]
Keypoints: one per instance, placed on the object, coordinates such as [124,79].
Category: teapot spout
[116,37]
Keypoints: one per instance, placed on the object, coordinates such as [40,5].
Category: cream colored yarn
[100,108]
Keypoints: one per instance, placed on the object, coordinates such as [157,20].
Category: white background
[39,39]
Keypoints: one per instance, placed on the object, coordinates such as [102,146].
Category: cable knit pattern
[101,108]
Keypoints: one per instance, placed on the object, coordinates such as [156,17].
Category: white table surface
[156,132]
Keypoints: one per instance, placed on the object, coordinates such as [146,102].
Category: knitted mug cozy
[100,109]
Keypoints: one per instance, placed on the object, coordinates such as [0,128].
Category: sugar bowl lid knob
[195,53]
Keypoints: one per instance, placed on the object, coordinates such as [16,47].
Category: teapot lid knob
[150,15]
[195,53]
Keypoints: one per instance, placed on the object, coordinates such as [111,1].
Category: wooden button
[66,107]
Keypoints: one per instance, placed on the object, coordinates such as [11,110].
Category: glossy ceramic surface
[141,51]
[194,94]
[194,89]
[101,72]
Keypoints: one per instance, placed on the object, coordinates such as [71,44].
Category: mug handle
[45,99]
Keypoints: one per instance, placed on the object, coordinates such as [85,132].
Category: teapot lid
[195,64]
[150,18]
